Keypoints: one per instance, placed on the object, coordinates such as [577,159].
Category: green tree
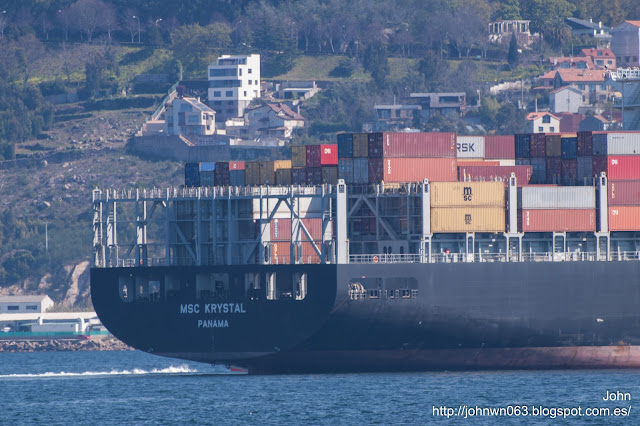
[196,47]
[489,110]
[512,56]
[508,9]
[376,62]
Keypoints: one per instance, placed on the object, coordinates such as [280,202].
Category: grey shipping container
[558,197]
[623,143]
[360,170]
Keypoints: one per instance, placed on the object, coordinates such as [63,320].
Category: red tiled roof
[568,75]
[549,76]
[286,110]
[635,23]
[606,53]
[534,115]
[570,123]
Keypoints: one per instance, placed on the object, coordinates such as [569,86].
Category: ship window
[300,285]
[270,279]
[374,294]
[252,286]
[154,291]
[125,287]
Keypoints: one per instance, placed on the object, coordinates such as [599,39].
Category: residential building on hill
[543,122]
[395,117]
[626,43]
[438,103]
[268,123]
[189,116]
[566,99]
[600,33]
[500,32]
[234,81]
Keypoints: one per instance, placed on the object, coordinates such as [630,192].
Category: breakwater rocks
[106,344]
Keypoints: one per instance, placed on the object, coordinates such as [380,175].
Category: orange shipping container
[418,169]
[449,194]
[467,219]
[281,253]
[624,218]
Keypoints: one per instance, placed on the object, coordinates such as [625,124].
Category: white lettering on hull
[213,323]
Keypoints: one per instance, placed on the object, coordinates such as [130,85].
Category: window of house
[599,62]
[193,119]
[216,94]
[245,93]
[540,129]
[240,72]
[13,308]
[229,93]
[256,81]
[627,58]
[581,86]
[32,307]
[635,59]
[552,129]
[599,53]
[603,87]
[546,119]
[249,70]
[610,62]
[250,82]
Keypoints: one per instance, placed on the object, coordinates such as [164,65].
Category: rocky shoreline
[67,345]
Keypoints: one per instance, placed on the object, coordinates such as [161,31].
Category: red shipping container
[329,155]
[281,253]
[281,229]
[624,218]
[498,173]
[313,155]
[236,165]
[585,144]
[417,169]
[375,170]
[417,145]
[499,147]
[538,145]
[558,220]
[623,167]
[624,193]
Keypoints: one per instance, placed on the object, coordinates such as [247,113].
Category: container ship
[384,252]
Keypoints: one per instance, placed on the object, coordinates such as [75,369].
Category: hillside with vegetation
[92,51]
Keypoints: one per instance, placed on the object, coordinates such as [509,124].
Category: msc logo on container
[467,219]
[466,194]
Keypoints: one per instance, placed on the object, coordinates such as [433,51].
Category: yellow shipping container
[467,219]
[281,164]
[450,194]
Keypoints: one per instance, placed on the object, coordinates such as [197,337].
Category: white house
[234,81]
[566,99]
[25,304]
[189,116]
[543,122]
[626,43]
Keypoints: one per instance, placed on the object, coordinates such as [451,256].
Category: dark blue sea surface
[118,388]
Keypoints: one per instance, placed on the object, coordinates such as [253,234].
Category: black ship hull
[392,317]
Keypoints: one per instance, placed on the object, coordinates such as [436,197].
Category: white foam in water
[182,369]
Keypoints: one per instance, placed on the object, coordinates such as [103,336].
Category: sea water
[118,388]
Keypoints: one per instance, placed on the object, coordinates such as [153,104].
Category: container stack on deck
[541,162]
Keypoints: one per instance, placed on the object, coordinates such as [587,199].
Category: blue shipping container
[207,167]
[569,148]
[599,144]
[345,145]
[360,170]
[523,145]
[236,178]
[539,172]
[345,169]
[191,174]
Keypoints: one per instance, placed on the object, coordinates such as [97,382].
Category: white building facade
[566,99]
[234,81]
[25,304]
[189,116]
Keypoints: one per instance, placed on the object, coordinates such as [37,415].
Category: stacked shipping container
[557,209]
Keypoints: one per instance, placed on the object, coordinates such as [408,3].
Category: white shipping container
[558,197]
[623,143]
[470,147]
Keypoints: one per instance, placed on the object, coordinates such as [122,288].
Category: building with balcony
[600,33]
[438,103]
[234,81]
[396,117]
[189,117]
